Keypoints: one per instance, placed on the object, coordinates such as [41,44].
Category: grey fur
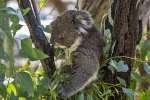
[76,31]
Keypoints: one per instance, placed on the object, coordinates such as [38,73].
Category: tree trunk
[97,8]
[38,38]
[126,33]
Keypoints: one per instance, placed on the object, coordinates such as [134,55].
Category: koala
[76,31]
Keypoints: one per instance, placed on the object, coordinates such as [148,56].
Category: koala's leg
[84,70]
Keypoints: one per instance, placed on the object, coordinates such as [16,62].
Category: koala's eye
[61,35]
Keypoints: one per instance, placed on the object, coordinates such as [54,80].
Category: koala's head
[69,26]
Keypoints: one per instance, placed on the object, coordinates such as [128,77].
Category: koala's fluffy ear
[83,21]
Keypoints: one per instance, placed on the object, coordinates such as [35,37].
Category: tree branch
[38,38]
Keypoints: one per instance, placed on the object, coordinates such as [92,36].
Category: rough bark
[38,38]
[97,8]
[126,33]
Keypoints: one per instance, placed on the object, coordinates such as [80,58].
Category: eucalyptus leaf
[13,97]
[137,77]
[25,11]
[4,55]
[77,5]
[106,93]
[121,67]
[41,89]
[89,97]
[81,97]
[2,67]
[46,29]
[5,26]
[2,76]
[40,55]
[25,81]
[113,63]
[2,4]
[15,22]
[144,49]
[9,9]
[122,81]
[128,93]
[146,68]
[149,93]
[110,17]
[26,45]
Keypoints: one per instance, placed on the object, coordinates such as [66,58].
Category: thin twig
[36,12]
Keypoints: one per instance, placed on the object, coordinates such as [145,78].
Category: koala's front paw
[62,94]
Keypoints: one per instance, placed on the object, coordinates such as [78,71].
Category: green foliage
[110,18]
[32,53]
[129,93]
[42,3]
[24,85]
[119,67]
[25,11]
[77,5]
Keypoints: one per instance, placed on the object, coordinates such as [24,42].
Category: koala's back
[94,42]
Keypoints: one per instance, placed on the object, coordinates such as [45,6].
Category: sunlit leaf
[25,66]
[128,93]
[42,3]
[11,88]
[25,11]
